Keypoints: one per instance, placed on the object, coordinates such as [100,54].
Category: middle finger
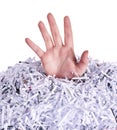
[54,30]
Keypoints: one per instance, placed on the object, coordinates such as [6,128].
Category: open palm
[59,58]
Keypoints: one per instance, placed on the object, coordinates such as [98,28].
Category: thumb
[83,63]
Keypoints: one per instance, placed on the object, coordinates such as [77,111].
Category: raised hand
[59,59]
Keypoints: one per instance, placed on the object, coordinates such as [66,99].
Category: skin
[59,58]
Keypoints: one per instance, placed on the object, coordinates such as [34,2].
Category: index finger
[68,36]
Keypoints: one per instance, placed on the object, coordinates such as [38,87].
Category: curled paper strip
[30,100]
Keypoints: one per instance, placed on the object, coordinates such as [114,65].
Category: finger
[46,36]
[83,63]
[68,38]
[34,47]
[54,30]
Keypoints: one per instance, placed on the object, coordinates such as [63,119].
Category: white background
[94,25]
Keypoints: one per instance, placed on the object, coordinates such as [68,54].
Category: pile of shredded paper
[30,100]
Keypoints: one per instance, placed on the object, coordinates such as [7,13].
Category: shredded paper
[30,100]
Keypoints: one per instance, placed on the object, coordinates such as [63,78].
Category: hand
[59,59]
